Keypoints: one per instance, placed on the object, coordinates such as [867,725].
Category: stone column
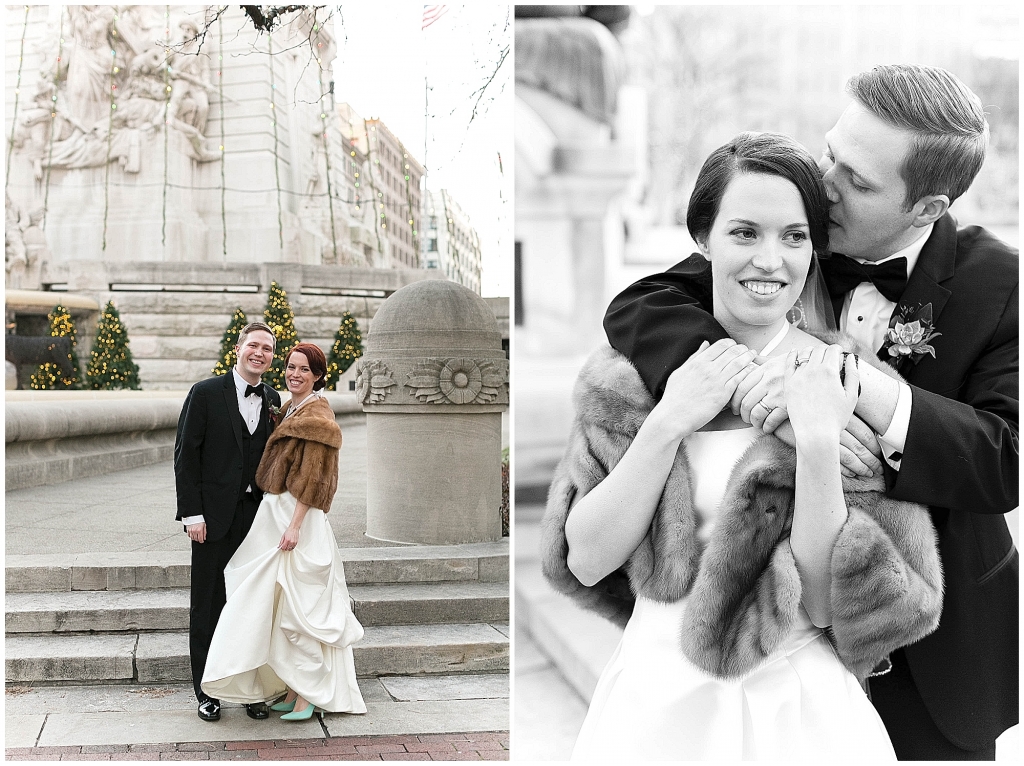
[433,384]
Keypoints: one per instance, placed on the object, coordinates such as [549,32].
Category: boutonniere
[909,332]
[275,413]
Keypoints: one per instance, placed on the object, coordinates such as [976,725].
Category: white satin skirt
[288,621]
[652,704]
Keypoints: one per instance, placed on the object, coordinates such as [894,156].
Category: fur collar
[314,421]
[744,588]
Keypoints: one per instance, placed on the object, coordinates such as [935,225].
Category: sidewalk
[131,512]
[487,746]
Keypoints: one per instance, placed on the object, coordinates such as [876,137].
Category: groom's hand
[197,532]
[859,451]
[764,383]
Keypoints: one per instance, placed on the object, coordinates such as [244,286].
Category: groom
[222,430]
[908,145]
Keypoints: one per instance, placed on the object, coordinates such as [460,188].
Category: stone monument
[176,161]
[433,383]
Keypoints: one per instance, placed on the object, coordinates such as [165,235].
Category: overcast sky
[383,56]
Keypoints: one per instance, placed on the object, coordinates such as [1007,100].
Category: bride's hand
[289,539]
[701,388]
[819,405]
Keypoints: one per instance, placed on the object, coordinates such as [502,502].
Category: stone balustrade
[58,436]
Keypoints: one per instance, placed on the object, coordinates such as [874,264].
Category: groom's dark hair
[770,154]
[945,116]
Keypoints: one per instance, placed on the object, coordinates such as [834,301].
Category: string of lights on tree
[228,356]
[347,347]
[47,376]
[279,316]
[110,361]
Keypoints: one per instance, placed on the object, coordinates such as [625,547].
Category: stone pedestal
[433,384]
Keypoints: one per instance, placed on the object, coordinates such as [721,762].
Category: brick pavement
[476,746]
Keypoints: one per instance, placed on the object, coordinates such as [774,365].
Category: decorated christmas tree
[348,346]
[48,375]
[228,357]
[110,362]
[278,314]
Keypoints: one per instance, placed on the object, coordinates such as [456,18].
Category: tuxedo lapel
[934,265]
[231,401]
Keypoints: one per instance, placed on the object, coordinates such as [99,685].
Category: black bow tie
[257,389]
[842,274]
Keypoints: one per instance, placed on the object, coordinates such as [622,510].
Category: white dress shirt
[250,408]
[866,314]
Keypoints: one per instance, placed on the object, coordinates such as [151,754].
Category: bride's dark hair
[767,153]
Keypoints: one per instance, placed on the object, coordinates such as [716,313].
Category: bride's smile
[760,250]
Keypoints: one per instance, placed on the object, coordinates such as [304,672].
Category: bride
[757,586]
[287,626]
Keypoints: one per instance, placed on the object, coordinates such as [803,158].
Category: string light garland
[47,376]
[17,94]
[373,185]
[273,122]
[223,141]
[110,138]
[53,120]
[167,122]
[327,154]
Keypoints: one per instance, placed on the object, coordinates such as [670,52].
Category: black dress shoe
[209,710]
[257,710]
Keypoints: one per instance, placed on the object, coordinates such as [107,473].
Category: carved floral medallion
[457,381]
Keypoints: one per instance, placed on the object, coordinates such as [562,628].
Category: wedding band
[800,362]
[767,409]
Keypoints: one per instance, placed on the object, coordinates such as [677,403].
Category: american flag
[432,13]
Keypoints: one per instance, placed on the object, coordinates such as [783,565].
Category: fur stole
[744,588]
[301,456]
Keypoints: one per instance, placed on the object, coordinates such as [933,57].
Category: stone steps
[163,657]
[484,562]
[123,617]
[168,609]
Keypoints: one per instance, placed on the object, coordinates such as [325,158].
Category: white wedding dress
[651,703]
[288,620]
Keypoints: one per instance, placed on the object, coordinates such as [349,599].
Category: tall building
[453,246]
[384,180]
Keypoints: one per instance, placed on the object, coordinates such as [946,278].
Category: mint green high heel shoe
[284,707]
[300,715]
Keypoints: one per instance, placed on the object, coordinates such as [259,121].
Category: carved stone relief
[373,381]
[457,381]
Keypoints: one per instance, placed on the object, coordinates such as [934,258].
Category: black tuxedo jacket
[961,454]
[208,452]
